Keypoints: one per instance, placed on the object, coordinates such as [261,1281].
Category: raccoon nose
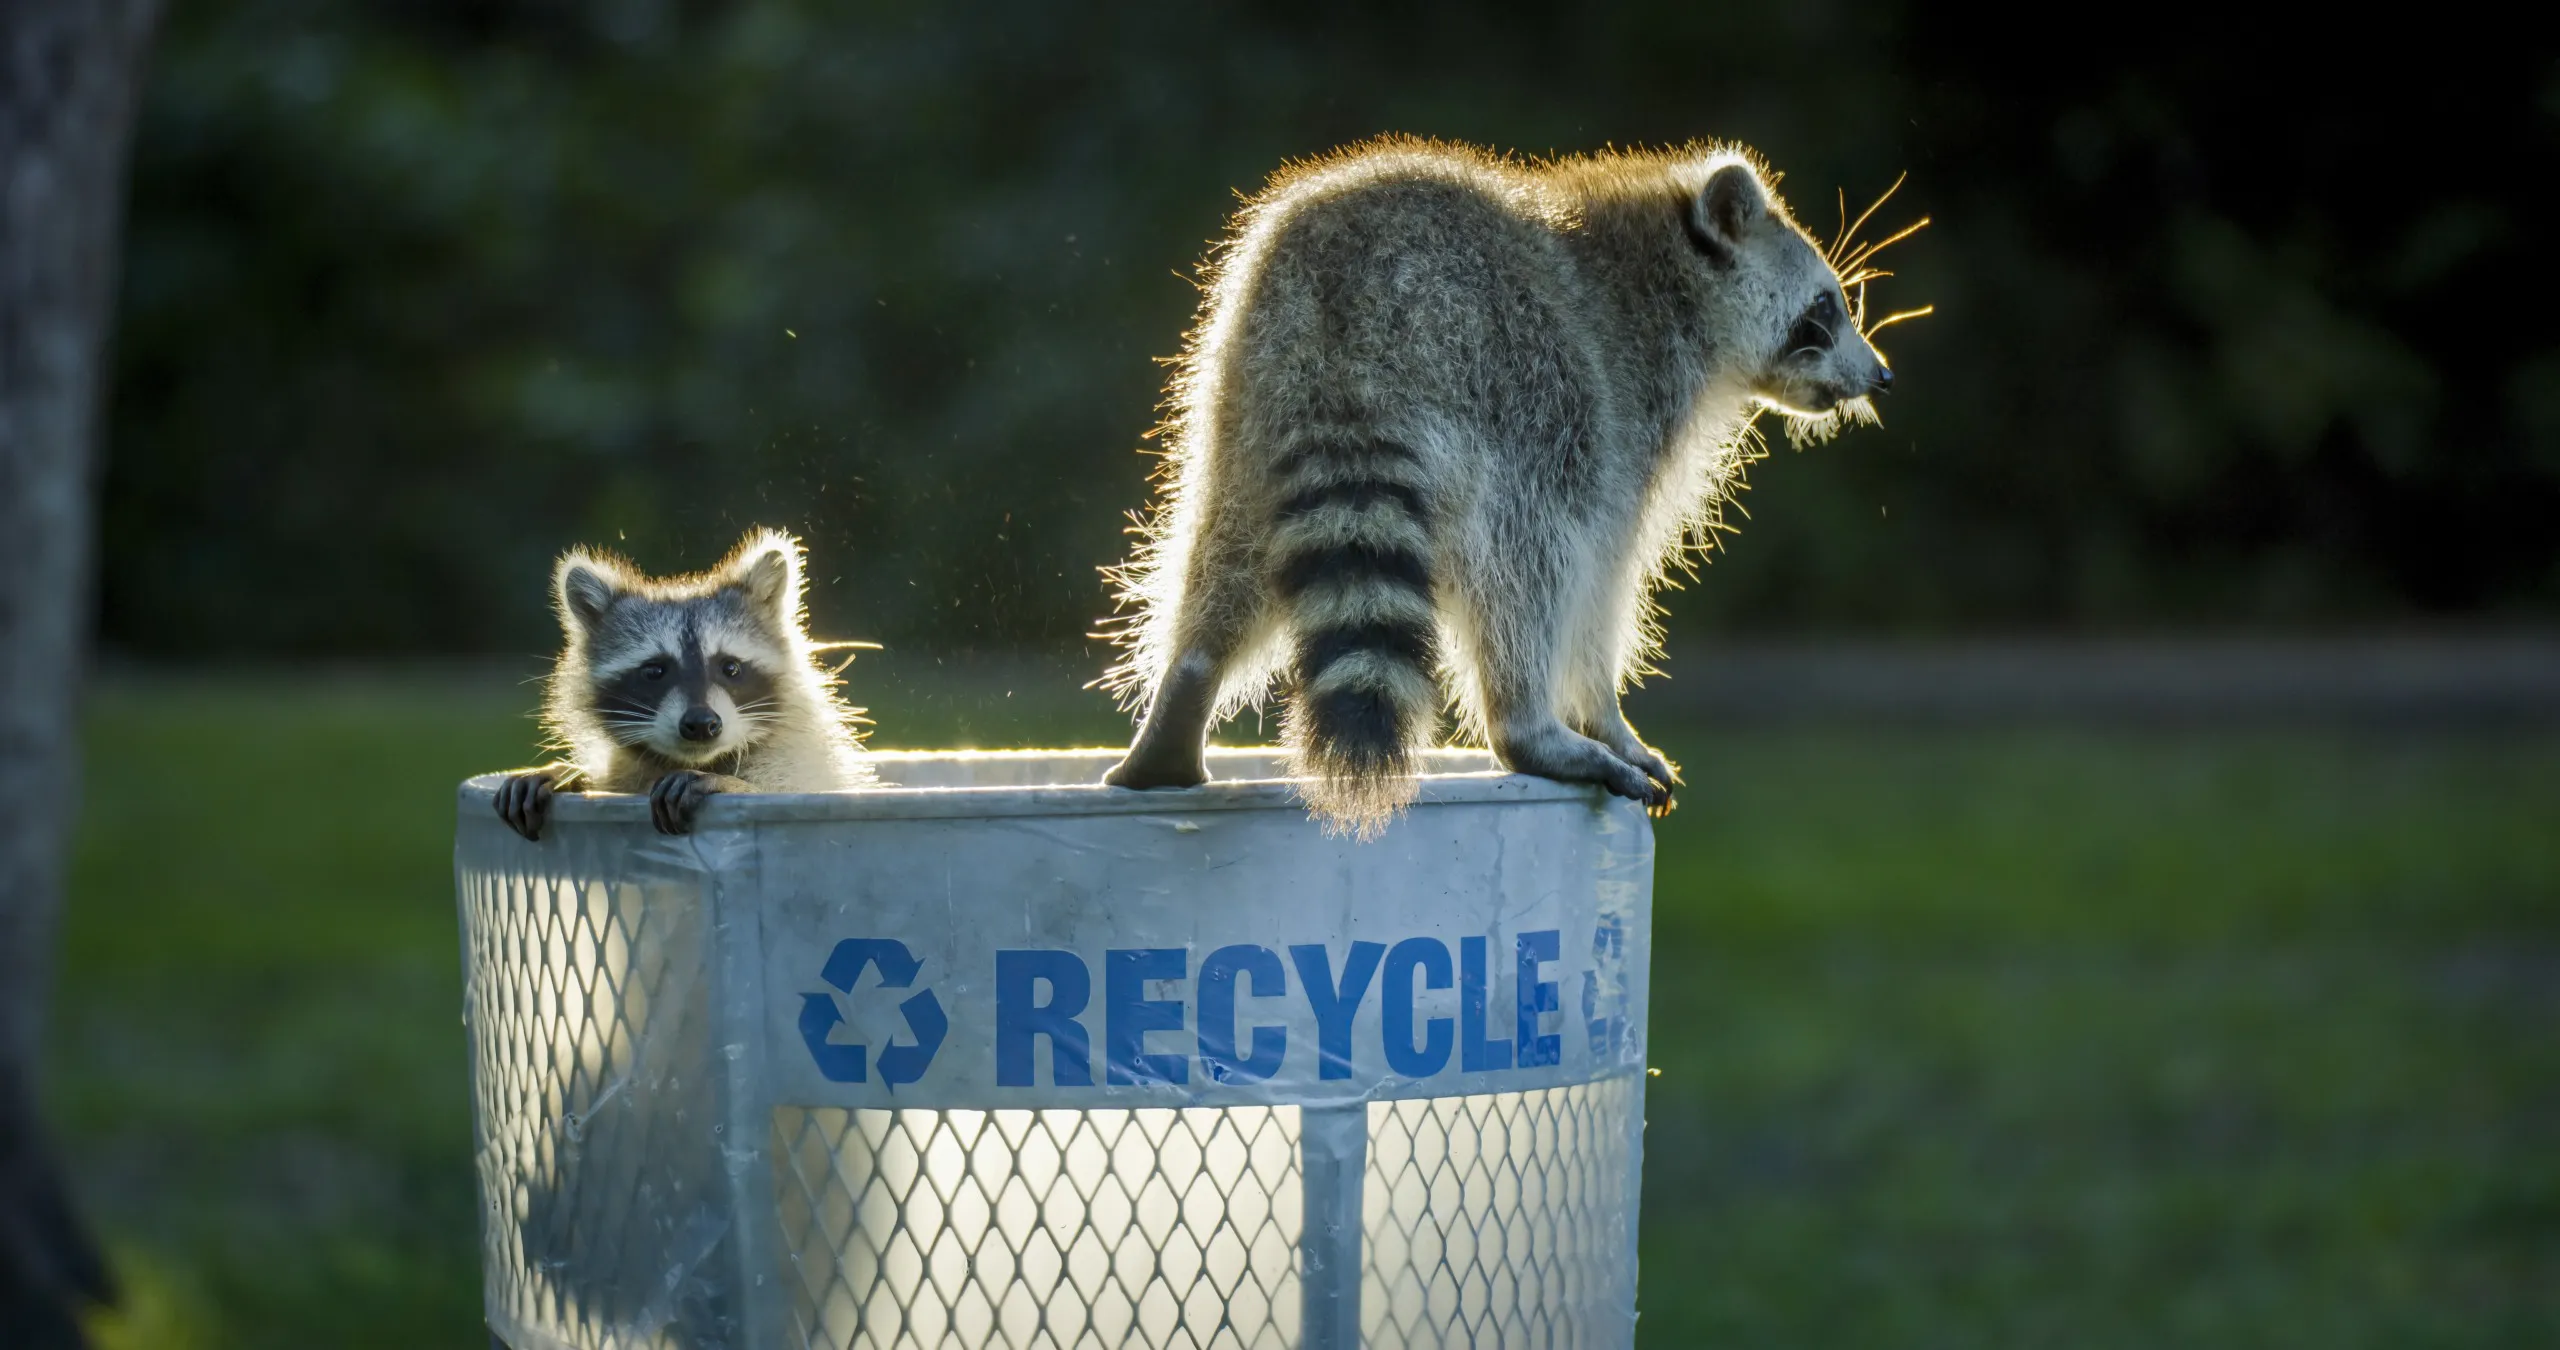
[700,724]
[1882,383]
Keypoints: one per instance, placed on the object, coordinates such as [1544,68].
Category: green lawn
[1967,1038]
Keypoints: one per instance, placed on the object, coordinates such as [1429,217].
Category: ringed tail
[1351,565]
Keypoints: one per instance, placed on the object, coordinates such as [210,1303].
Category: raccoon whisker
[1891,319]
[1869,251]
[1854,226]
[840,646]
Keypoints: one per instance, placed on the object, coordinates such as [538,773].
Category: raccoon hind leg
[1216,617]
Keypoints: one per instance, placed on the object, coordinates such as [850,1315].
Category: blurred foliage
[422,291]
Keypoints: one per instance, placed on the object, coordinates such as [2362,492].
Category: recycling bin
[990,1055]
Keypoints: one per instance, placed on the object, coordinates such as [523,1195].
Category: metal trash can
[991,1056]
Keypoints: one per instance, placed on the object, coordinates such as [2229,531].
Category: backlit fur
[783,727]
[1445,422]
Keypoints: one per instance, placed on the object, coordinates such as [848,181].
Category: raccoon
[684,687]
[1449,417]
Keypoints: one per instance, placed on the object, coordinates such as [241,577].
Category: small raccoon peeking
[686,687]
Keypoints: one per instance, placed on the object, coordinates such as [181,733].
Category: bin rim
[1451,777]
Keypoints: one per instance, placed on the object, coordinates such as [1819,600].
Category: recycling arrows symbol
[1608,953]
[819,1014]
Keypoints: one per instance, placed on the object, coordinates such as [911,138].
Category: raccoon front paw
[524,803]
[674,799]
[1569,757]
[1664,773]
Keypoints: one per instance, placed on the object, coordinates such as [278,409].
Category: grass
[1967,1038]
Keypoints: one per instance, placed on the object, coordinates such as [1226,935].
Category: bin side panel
[1209,959]
[1502,1219]
[1018,1228]
[603,1205]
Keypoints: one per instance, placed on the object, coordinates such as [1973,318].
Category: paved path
[2417,679]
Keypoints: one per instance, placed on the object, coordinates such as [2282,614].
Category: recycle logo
[819,1014]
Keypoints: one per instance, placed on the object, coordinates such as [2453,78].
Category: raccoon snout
[699,724]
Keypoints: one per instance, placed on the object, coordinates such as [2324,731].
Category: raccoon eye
[729,668]
[1819,328]
[656,670]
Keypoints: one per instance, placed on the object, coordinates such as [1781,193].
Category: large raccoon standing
[1449,416]
[686,687]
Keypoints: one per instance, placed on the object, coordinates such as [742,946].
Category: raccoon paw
[1664,773]
[524,803]
[1138,771]
[674,799]
[1569,757]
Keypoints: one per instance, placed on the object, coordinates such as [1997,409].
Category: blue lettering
[1336,1007]
[1128,1015]
[1476,1054]
[1019,1018]
[1218,1013]
[1536,996]
[1608,942]
[1395,1009]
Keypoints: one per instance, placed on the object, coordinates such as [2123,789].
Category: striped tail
[1351,551]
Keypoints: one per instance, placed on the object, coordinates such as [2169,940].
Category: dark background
[2230,331]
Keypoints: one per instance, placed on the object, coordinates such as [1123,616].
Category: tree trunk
[69,74]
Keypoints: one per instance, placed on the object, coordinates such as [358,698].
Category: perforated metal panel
[601,1202]
[1050,1229]
[1501,1219]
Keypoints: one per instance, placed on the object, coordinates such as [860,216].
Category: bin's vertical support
[1333,1159]
[733,952]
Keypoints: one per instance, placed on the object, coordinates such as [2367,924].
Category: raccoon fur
[684,687]
[1446,419]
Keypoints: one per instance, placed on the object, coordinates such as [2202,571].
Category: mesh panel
[586,1014]
[1052,1229]
[1500,1219]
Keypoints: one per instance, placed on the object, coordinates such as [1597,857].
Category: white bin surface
[995,1057]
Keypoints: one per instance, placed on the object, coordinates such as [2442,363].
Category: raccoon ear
[584,591]
[768,569]
[1724,211]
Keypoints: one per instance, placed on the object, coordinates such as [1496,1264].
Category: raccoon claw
[674,799]
[1655,767]
[1634,784]
[1568,757]
[524,803]
[1666,781]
